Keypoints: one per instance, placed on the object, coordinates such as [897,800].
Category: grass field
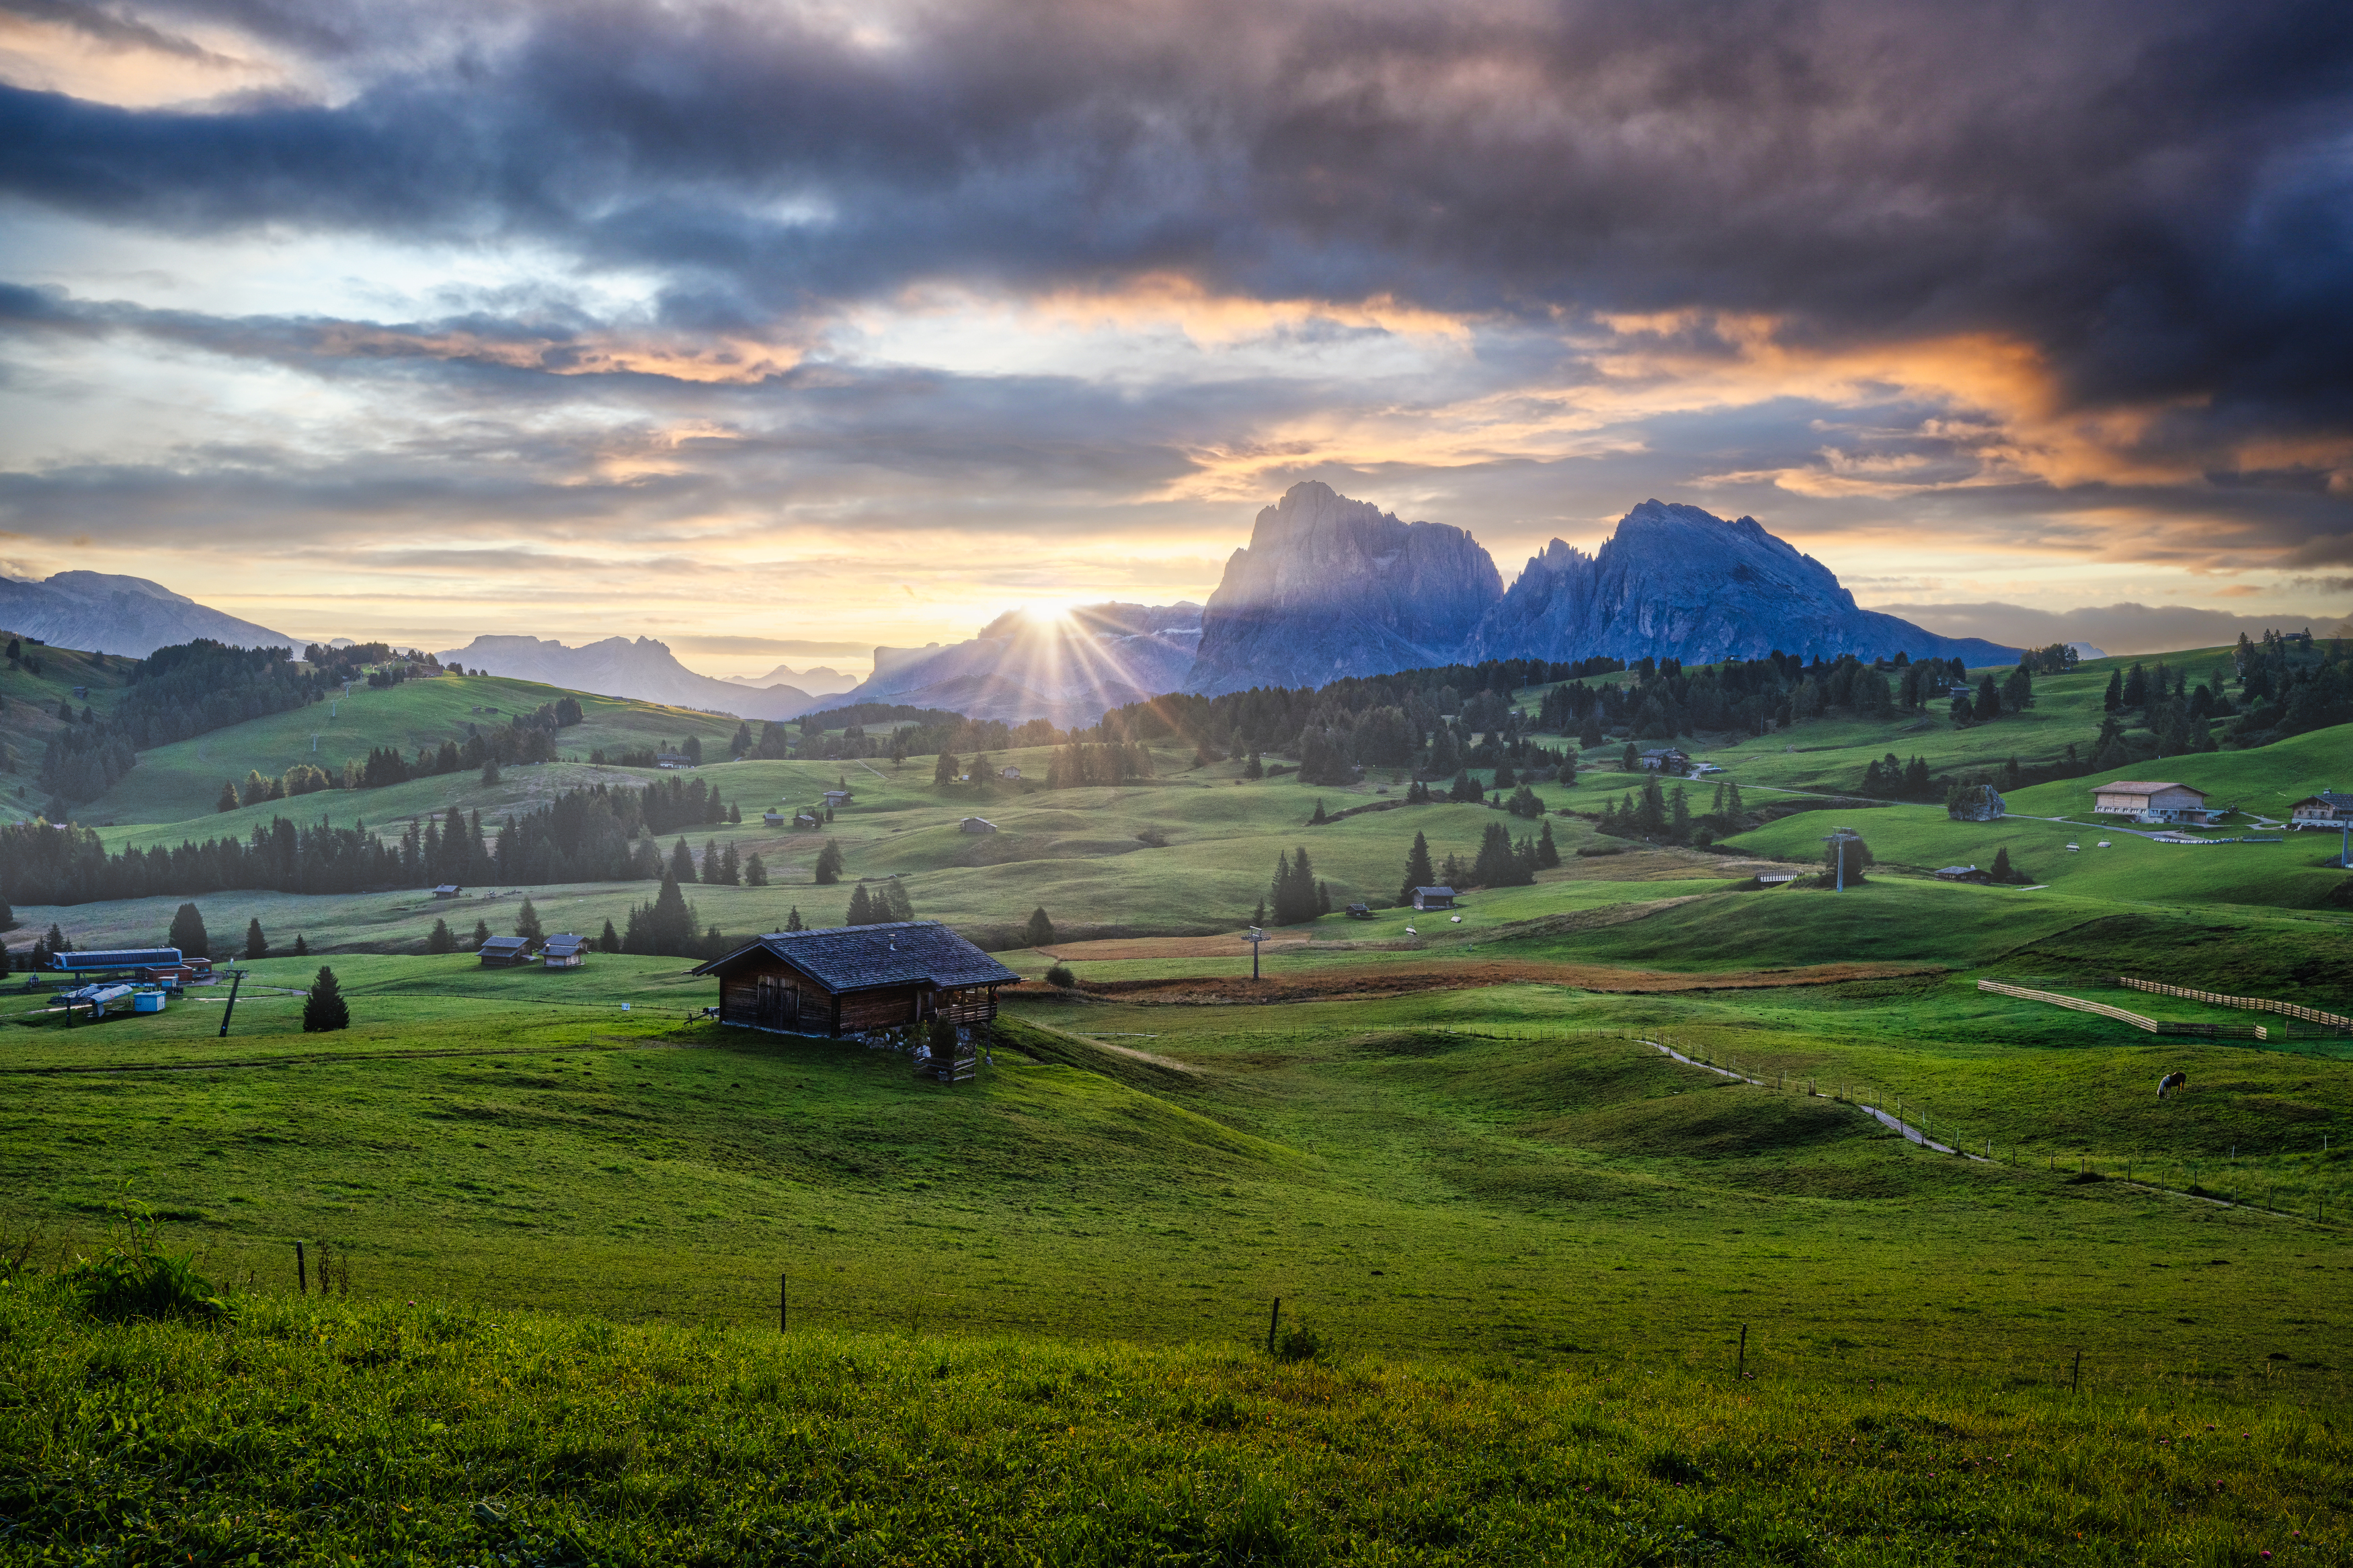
[178,782]
[1028,1313]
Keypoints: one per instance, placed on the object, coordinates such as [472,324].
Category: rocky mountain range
[1330,587]
[101,613]
[1675,580]
[1068,668]
[644,669]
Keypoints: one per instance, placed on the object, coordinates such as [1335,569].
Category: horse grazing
[2171,1080]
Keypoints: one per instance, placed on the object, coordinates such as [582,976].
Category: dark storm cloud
[2154,192]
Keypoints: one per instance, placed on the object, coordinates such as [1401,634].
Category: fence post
[1740,1368]
[1272,1318]
[301,1273]
[781,1300]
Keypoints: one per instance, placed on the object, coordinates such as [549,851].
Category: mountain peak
[1330,587]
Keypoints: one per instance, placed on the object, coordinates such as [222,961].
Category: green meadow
[1546,1294]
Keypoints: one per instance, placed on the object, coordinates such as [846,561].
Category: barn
[846,978]
[2152,802]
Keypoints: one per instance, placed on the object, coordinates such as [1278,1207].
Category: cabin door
[779,1003]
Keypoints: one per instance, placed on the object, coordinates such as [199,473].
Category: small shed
[846,979]
[1426,899]
[505,953]
[839,797]
[1360,911]
[2151,802]
[978,824]
[808,820]
[566,952]
[1008,772]
[2329,809]
[1665,760]
[448,891]
[672,759]
[773,818]
[1962,874]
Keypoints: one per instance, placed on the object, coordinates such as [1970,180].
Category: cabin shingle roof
[857,958]
[566,946]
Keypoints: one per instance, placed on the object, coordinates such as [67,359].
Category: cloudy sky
[778,330]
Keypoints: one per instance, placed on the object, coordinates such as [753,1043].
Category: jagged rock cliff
[1330,587]
[1676,581]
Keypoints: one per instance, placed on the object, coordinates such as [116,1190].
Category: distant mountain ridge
[818,680]
[99,612]
[1330,587]
[644,669]
[1676,581]
[1069,668]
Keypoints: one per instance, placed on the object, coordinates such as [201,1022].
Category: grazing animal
[2171,1080]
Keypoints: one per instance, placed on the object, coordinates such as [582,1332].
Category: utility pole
[1256,936]
[1841,839]
[236,978]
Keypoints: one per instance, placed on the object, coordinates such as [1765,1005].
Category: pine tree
[1465,788]
[1259,919]
[438,940]
[527,924]
[302,945]
[1547,852]
[1499,864]
[712,871]
[256,944]
[1419,872]
[944,771]
[681,862]
[1678,817]
[608,940]
[1319,818]
[828,864]
[1039,933]
[489,771]
[1735,814]
[1988,703]
[892,903]
[1323,899]
[1255,768]
[324,1009]
[481,934]
[793,920]
[187,933]
[735,815]
[2001,871]
[731,870]
[227,801]
[861,908]
[2135,692]
[755,871]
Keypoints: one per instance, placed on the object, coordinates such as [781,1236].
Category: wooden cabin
[1427,899]
[977,825]
[448,891]
[1962,874]
[566,952]
[2331,809]
[504,953]
[848,979]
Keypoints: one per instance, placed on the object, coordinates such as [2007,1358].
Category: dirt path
[1404,979]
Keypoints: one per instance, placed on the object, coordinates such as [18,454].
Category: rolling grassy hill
[178,782]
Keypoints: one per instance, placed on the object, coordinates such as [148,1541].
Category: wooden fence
[2259,1003]
[2154,1026]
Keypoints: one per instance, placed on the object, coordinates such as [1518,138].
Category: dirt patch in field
[1227,946]
[1404,979]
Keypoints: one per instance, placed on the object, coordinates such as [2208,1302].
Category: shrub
[134,1278]
[1039,931]
[1299,1342]
[1060,977]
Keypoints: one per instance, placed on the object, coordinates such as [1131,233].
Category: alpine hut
[566,952]
[846,978]
[503,952]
